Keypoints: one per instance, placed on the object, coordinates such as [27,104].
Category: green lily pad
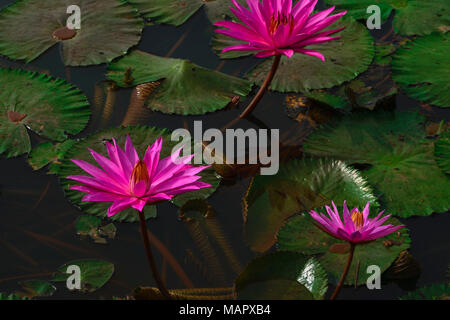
[301,235]
[266,273]
[221,41]
[142,137]
[50,107]
[298,186]
[370,89]
[4,296]
[431,292]
[49,153]
[186,88]
[344,60]
[108,28]
[412,17]
[442,152]
[91,226]
[177,12]
[401,161]
[36,288]
[422,68]
[94,274]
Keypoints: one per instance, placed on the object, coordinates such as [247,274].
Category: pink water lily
[276,27]
[128,181]
[357,226]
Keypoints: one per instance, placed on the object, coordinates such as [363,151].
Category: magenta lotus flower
[357,227]
[275,27]
[127,181]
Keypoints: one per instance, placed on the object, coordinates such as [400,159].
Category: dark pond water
[37,232]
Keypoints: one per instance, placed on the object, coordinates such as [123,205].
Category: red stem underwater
[252,105]
[344,274]
[151,260]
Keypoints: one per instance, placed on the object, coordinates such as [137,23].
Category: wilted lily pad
[177,12]
[185,87]
[49,107]
[412,17]
[401,161]
[36,288]
[301,235]
[142,137]
[108,28]
[298,186]
[94,274]
[442,152]
[344,60]
[422,69]
[282,275]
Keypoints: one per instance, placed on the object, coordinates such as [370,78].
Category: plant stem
[151,260]
[344,274]
[252,105]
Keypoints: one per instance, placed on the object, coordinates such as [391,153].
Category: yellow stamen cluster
[140,173]
[358,219]
[280,19]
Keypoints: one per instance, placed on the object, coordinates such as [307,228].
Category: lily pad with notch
[108,28]
[50,107]
[185,88]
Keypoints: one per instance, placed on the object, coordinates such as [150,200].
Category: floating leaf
[177,12]
[431,292]
[36,288]
[108,28]
[94,274]
[412,17]
[442,152]
[370,89]
[422,69]
[221,41]
[142,137]
[401,161]
[47,106]
[4,296]
[186,88]
[301,235]
[264,277]
[48,153]
[298,186]
[344,60]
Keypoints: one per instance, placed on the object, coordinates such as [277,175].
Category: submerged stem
[344,274]
[252,105]
[151,260]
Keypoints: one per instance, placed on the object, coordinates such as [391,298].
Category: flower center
[358,219]
[279,19]
[140,173]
